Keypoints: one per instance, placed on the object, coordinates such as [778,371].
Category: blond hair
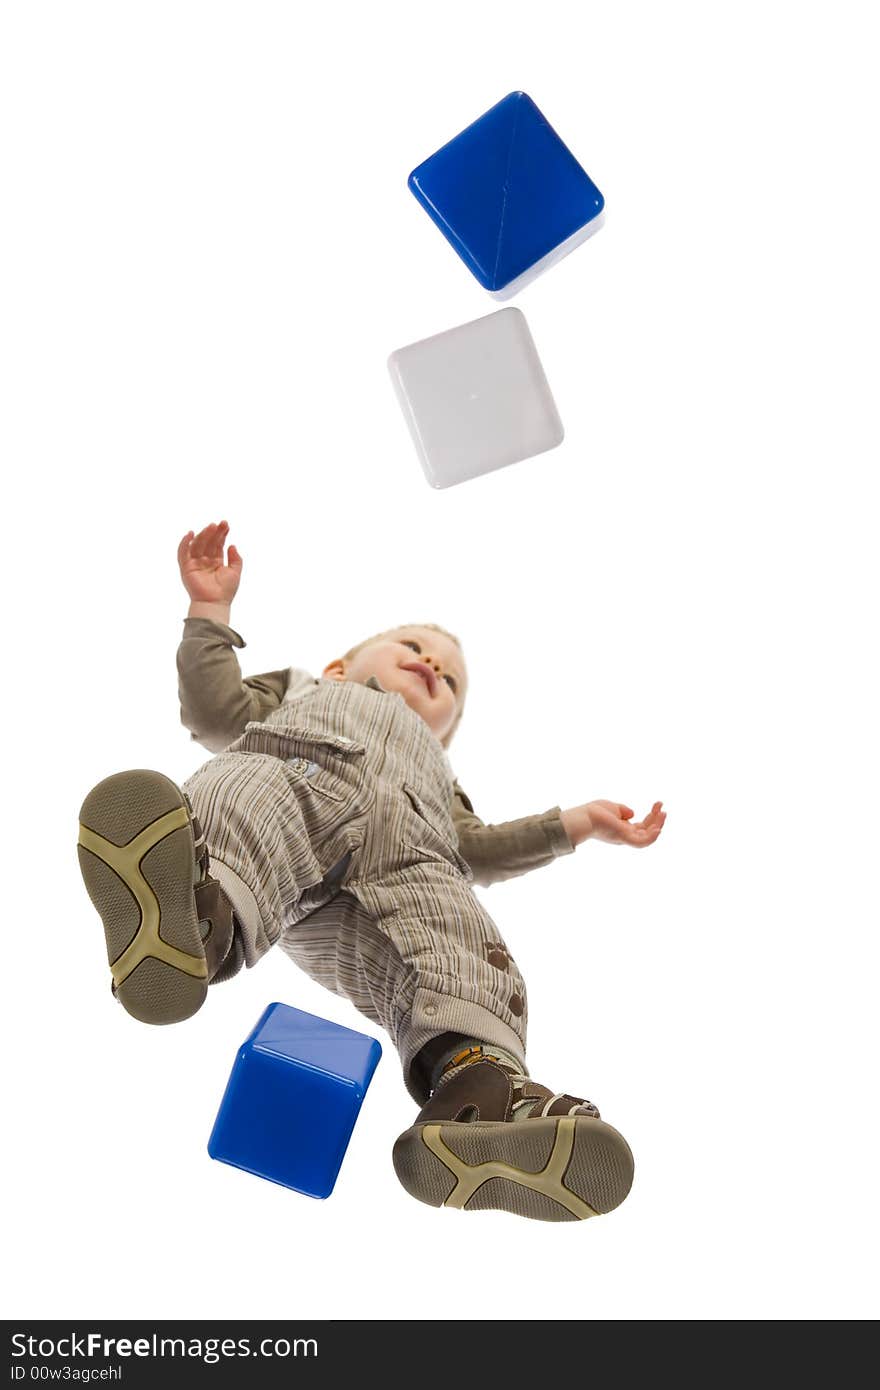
[389,632]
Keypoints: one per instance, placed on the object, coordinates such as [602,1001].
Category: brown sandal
[557,1161]
[168,926]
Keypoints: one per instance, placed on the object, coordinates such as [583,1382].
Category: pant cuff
[432,1014]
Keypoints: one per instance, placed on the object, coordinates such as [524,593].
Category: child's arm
[215,703]
[497,852]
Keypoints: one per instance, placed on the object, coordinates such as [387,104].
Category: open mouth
[420,669]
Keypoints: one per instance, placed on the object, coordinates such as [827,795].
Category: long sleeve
[215,702]
[497,852]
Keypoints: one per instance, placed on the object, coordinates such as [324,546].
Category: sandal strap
[215,916]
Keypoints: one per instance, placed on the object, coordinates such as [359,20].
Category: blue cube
[292,1099]
[509,196]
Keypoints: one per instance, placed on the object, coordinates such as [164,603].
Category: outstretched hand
[206,578]
[613,822]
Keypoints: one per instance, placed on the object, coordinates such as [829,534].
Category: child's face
[423,666]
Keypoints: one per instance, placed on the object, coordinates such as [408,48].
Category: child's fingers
[209,546]
[220,540]
[625,812]
[183,548]
[200,540]
[234,559]
[642,833]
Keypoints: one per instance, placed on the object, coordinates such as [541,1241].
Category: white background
[208,251]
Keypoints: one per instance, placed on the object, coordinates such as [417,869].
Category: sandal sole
[137,859]
[562,1168]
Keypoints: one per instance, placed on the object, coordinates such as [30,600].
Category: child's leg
[488,1136]
[259,842]
[168,917]
[420,956]
[458,975]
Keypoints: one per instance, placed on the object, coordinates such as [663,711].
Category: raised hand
[613,822]
[206,577]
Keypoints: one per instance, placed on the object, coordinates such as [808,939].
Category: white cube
[476,398]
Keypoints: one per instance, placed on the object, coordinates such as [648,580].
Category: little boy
[330,821]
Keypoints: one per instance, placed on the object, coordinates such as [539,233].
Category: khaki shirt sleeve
[215,702]
[497,852]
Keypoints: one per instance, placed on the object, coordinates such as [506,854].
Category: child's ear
[335,671]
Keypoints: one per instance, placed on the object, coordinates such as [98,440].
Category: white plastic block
[476,398]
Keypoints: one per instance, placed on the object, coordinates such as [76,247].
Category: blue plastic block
[292,1099]
[508,195]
